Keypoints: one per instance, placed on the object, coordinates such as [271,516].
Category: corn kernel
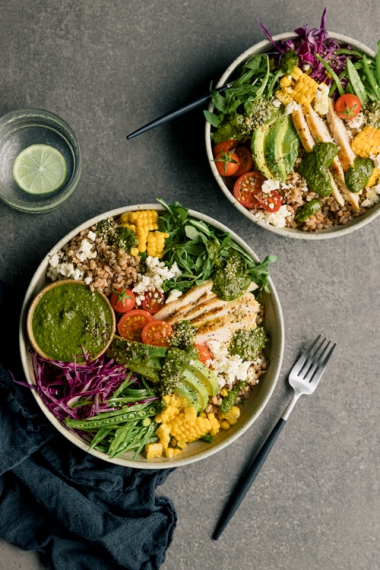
[153,450]
[182,444]
[134,251]
[224,392]
[173,442]
[285,81]
[225,425]
[373,178]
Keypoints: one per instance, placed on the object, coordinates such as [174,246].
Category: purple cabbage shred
[310,42]
[62,384]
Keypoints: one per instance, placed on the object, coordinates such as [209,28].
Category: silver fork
[304,378]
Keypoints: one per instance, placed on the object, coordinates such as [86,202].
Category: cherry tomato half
[269,201]
[204,353]
[123,300]
[153,301]
[245,159]
[227,163]
[348,106]
[225,146]
[157,333]
[247,186]
[132,323]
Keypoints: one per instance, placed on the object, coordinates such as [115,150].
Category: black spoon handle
[246,482]
[174,114]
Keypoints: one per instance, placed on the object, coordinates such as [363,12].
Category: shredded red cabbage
[312,41]
[62,384]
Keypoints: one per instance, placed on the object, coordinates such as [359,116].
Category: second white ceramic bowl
[335,231]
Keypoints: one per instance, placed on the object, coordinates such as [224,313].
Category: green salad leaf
[201,251]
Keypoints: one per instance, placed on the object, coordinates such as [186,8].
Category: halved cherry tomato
[204,353]
[245,159]
[132,323]
[157,333]
[247,186]
[123,300]
[225,146]
[153,301]
[227,163]
[269,201]
[348,106]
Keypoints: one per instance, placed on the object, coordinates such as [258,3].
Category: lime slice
[39,169]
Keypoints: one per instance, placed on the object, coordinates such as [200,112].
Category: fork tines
[311,365]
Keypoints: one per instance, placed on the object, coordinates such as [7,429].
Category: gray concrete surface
[109,67]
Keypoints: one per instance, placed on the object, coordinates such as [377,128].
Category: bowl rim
[329,233]
[49,287]
[167,463]
[72,184]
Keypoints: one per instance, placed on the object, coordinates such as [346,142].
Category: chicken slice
[244,307]
[338,130]
[302,129]
[223,327]
[321,133]
[194,311]
[191,298]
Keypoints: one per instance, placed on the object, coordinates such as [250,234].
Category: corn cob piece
[367,142]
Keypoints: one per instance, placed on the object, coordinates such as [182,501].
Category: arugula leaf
[200,250]
[213,119]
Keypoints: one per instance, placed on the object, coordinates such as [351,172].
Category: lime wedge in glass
[39,169]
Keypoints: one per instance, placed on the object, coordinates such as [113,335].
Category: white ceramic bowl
[335,231]
[252,407]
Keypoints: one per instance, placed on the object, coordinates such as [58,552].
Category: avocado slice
[205,375]
[196,385]
[189,395]
[290,145]
[258,140]
[273,148]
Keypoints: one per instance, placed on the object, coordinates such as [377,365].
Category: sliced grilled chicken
[190,312]
[191,298]
[320,132]
[236,315]
[338,130]
[302,129]
[244,307]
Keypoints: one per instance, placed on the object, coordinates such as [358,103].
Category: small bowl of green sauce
[67,321]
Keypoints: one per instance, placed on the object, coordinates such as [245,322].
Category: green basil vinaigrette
[69,317]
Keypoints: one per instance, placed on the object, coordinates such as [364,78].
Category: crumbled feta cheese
[277,219]
[91,236]
[228,368]
[290,107]
[372,196]
[157,272]
[173,295]
[88,280]
[375,160]
[276,103]
[54,260]
[321,100]
[356,122]
[270,185]
[56,269]
[306,67]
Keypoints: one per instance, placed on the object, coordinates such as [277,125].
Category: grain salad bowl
[253,406]
[327,233]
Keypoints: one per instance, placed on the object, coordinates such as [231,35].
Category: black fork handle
[246,482]
[174,114]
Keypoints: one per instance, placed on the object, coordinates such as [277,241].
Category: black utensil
[174,114]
